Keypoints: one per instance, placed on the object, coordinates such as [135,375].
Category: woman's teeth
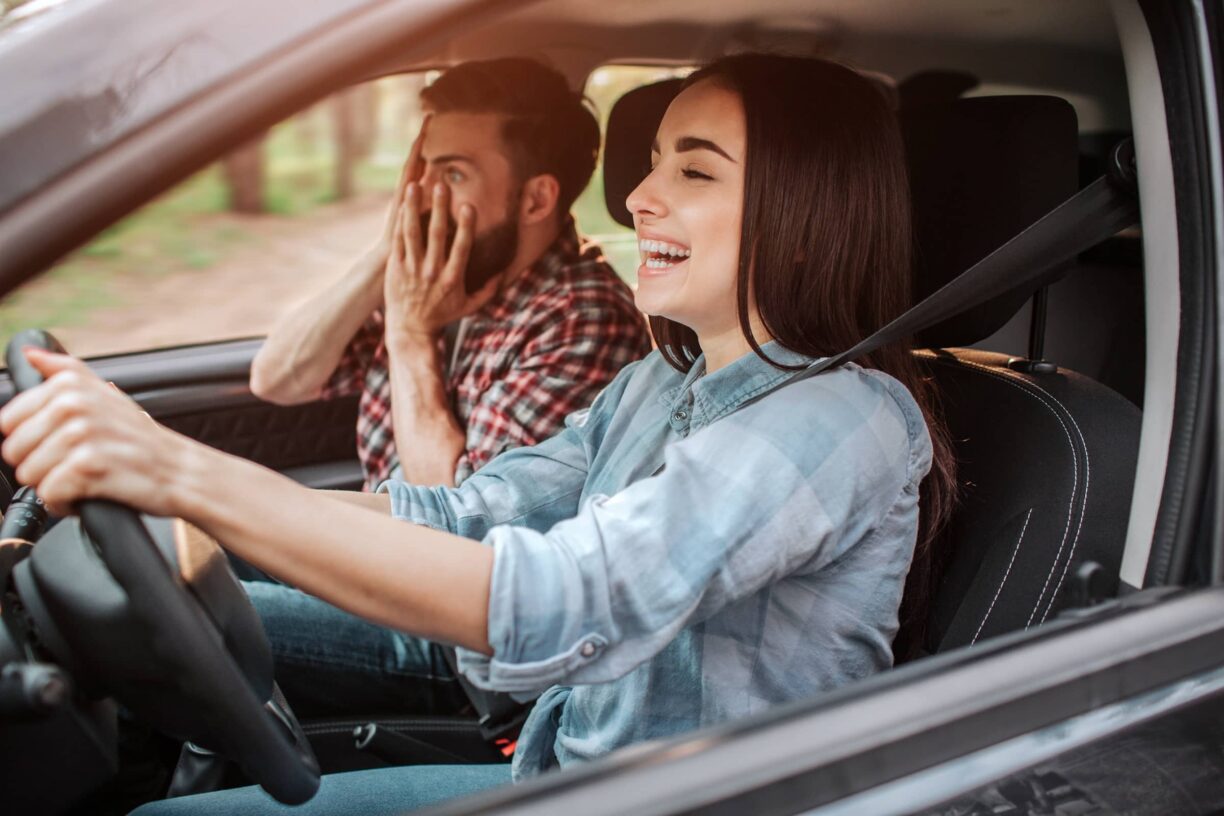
[661,254]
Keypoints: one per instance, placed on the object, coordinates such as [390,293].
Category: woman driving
[682,553]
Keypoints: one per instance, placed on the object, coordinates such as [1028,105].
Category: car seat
[1046,457]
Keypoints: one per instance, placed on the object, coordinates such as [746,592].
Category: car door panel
[202,392]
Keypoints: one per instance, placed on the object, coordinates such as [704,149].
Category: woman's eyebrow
[686,143]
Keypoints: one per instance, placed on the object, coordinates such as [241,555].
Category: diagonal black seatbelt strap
[1090,216]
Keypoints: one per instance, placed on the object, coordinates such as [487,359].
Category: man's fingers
[414,168]
[410,224]
[435,249]
[397,236]
[456,264]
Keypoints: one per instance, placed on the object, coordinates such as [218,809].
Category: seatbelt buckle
[505,728]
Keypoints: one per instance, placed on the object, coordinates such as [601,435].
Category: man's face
[465,151]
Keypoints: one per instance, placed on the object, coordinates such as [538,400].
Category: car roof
[96,74]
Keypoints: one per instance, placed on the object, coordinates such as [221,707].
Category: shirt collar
[713,396]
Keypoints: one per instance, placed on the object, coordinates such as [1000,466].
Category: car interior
[1056,391]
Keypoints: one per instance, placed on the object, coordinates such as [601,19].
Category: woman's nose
[644,200]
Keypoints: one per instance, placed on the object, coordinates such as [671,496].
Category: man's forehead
[473,135]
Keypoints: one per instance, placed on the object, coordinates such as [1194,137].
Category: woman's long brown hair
[826,250]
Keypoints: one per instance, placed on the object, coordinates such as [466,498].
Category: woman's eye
[689,173]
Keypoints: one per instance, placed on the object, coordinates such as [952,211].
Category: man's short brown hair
[547,128]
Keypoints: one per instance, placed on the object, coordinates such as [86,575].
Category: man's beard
[492,250]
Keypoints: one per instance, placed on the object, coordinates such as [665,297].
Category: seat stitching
[1079,526]
[1074,468]
[1021,384]
[999,591]
[1083,503]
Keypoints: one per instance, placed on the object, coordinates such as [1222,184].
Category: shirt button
[588,649]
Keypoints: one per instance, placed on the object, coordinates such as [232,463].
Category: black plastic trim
[1173,28]
[164,369]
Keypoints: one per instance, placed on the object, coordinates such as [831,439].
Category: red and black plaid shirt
[540,349]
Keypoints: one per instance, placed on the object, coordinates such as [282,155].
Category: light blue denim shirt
[667,562]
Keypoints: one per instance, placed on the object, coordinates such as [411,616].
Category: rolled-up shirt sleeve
[534,486]
[600,593]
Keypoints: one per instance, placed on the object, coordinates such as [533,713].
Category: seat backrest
[632,123]
[1046,461]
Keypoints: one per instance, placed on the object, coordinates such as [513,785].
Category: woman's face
[687,211]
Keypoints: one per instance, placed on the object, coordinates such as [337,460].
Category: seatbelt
[1090,216]
[499,715]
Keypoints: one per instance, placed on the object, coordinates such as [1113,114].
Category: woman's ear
[539,199]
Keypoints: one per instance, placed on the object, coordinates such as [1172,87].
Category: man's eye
[689,173]
[453,176]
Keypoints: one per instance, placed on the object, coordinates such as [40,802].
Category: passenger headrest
[631,129]
[981,170]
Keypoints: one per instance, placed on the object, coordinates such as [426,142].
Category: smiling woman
[602,578]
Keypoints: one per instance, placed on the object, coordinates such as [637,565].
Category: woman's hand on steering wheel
[76,437]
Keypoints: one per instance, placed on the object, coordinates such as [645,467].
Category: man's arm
[424,291]
[304,349]
[428,438]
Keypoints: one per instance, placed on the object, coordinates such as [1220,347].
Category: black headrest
[981,170]
[631,129]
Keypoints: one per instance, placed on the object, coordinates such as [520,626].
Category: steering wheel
[161,623]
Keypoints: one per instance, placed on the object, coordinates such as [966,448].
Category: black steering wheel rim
[261,736]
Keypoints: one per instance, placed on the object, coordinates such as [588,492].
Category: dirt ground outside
[285,261]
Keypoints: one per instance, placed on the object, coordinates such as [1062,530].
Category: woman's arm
[75,438]
[824,472]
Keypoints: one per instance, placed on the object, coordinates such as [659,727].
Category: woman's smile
[661,256]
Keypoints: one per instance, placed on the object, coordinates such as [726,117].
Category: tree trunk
[343,111]
[244,174]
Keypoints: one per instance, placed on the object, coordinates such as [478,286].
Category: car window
[226,252]
[605,85]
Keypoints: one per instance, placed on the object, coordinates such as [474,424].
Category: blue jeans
[330,663]
[381,792]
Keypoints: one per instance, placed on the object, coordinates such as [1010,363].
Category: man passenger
[453,365]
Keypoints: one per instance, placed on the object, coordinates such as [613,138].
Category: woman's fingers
[62,373]
[74,442]
[62,406]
